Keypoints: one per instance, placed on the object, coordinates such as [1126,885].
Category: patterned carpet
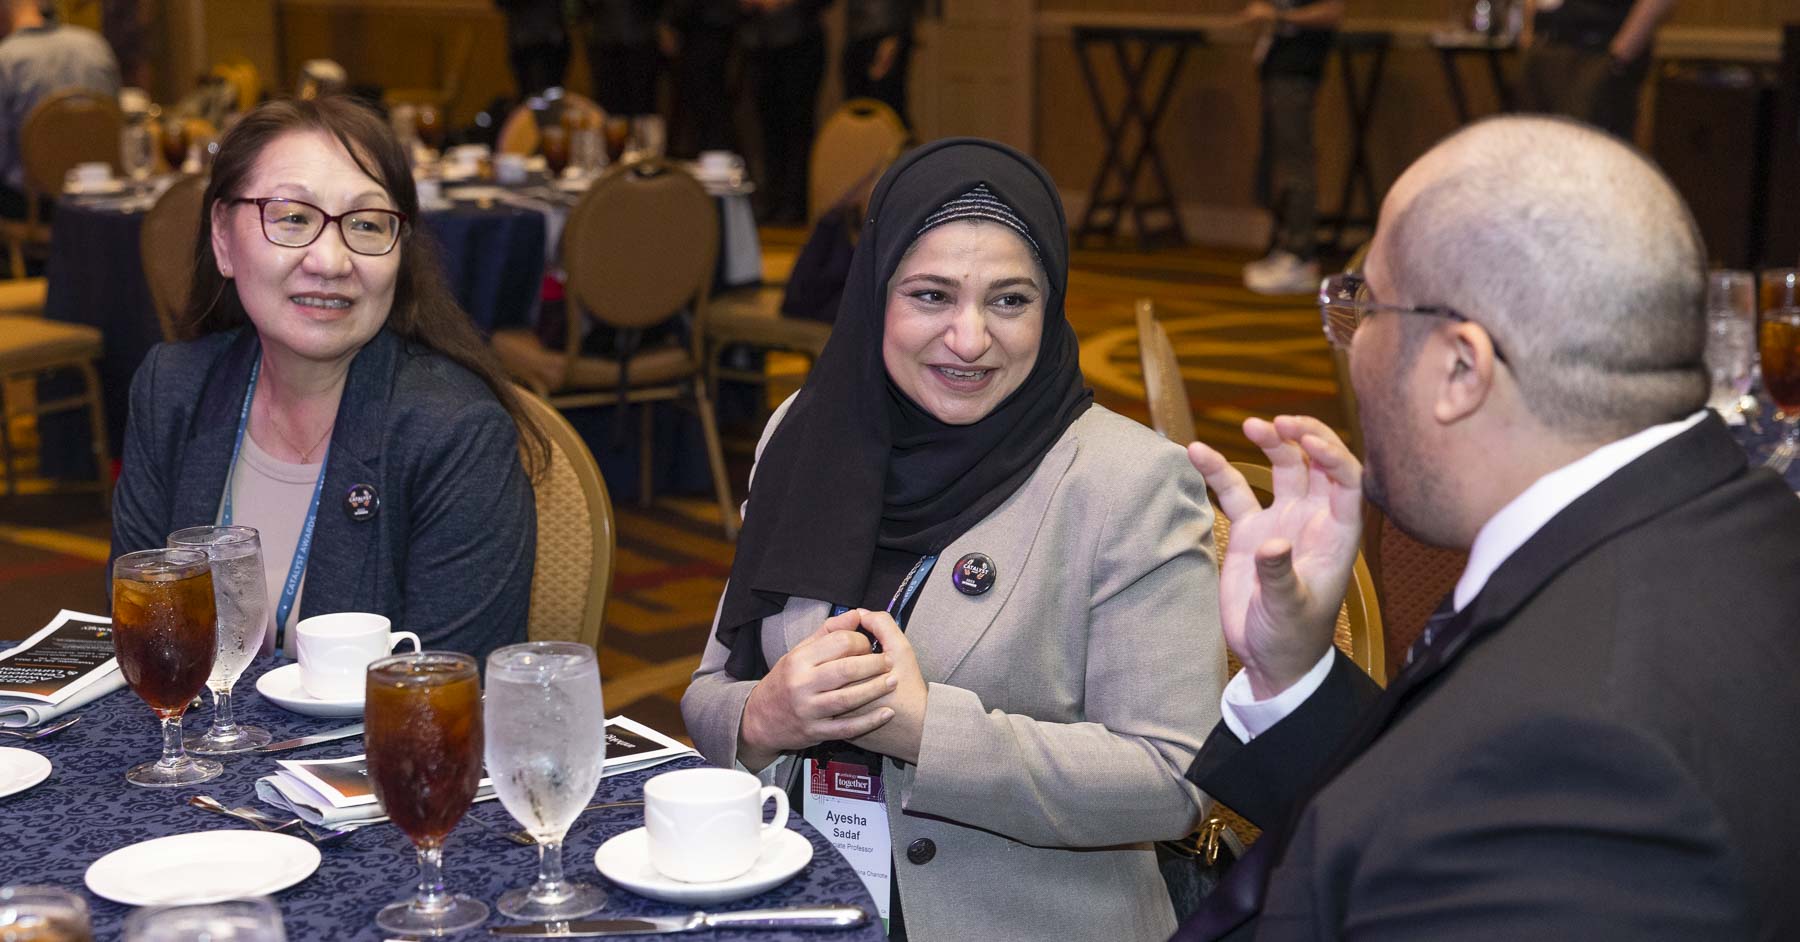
[1241,355]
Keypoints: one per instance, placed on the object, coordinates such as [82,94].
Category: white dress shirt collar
[1527,513]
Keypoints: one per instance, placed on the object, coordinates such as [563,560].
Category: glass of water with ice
[1730,338]
[545,743]
[242,599]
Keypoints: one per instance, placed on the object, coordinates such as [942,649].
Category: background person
[1582,741]
[878,41]
[328,375]
[1588,58]
[38,57]
[1031,726]
[537,43]
[785,42]
[1291,50]
[623,56]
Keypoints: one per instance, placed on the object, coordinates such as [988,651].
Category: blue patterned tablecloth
[49,834]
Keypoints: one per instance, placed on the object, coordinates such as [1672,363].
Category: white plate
[625,860]
[20,769]
[282,687]
[573,184]
[203,867]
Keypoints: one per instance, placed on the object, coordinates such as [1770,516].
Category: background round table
[53,831]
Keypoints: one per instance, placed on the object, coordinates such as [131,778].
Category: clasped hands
[1286,566]
[831,687]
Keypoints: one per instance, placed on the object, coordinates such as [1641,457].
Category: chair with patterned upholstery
[861,135]
[166,247]
[66,128]
[575,536]
[639,250]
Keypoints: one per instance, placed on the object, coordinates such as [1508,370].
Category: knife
[803,917]
[345,733]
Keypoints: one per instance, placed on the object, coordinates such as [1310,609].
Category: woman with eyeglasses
[329,392]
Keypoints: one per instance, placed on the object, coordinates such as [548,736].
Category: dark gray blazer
[449,554]
[1610,754]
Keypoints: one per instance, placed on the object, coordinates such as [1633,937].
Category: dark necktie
[1239,896]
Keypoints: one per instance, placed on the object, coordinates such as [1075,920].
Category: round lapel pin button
[974,574]
[361,502]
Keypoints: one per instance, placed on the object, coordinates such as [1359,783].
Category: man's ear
[1464,356]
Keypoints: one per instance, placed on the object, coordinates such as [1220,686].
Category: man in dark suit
[1598,735]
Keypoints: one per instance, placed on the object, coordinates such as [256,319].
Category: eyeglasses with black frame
[1344,304]
[296,224]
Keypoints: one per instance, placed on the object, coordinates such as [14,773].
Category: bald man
[1597,736]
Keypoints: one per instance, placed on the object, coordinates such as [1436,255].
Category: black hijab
[856,464]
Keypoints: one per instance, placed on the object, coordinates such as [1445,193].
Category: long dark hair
[423,312]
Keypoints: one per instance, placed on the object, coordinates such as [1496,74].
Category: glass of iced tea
[554,142]
[424,740]
[1778,340]
[165,634]
[42,914]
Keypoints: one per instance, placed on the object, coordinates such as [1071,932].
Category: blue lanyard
[297,568]
[903,595]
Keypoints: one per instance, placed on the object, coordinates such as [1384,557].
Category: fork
[320,835]
[30,734]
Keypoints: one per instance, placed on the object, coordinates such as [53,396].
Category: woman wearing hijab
[945,469]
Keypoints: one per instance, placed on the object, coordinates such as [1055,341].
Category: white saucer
[625,860]
[282,687]
[94,188]
[20,769]
[472,194]
[202,867]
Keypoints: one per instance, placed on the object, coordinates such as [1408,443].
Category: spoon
[30,734]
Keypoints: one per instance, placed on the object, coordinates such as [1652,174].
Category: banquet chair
[1170,411]
[30,345]
[575,535]
[519,132]
[166,246]
[861,135]
[66,128]
[639,249]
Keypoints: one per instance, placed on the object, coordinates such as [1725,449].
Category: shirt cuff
[1249,717]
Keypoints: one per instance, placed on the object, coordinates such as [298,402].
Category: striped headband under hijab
[979,203]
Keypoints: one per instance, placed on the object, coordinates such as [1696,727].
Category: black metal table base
[1131,133]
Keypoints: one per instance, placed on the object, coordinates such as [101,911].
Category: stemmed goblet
[546,744]
[241,598]
[165,630]
[1779,343]
[422,714]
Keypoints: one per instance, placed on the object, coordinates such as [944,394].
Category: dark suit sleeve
[473,543]
[1263,778]
[141,498]
[1547,827]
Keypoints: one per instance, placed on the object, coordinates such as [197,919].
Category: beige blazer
[1064,704]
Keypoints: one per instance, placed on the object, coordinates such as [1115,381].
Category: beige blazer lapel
[945,624]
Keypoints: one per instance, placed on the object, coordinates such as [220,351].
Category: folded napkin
[290,794]
[20,713]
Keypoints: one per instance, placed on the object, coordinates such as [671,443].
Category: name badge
[848,805]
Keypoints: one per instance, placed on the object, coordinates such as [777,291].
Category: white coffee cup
[705,825]
[509,169]
[97,171]
[335,651]
[719,163]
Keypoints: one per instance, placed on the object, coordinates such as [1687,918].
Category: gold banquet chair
[1359,619]
[861,135]
[69,127]
[30,345]
[166,248]
[638,248]
[576,539]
